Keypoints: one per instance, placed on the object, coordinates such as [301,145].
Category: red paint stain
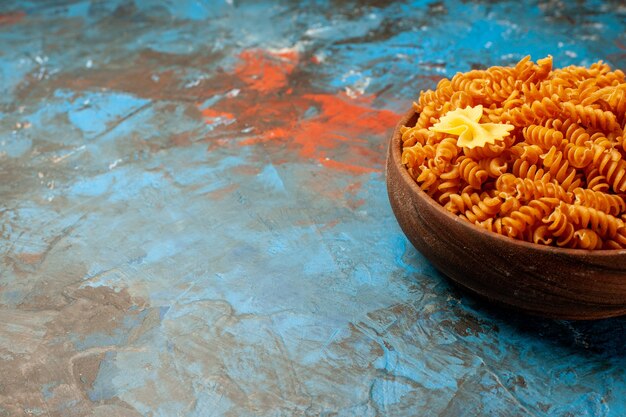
[341,125]
[276,107]
[11,18]
[265,71]
[334,130]
[288,54]
[269,135]
[342,166]
[214,114]
[353,117]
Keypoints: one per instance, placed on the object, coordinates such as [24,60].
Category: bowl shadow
[599,338]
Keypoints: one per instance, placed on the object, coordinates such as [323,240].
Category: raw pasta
[529,152]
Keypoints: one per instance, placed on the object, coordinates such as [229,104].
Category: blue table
[195,222]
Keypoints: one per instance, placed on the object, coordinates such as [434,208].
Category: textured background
[195,223]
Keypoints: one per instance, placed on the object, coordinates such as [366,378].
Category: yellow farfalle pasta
[465,123]
[529,152]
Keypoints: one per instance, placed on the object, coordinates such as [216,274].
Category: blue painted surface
[195,223]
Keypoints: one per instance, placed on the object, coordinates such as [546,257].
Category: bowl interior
[410,119]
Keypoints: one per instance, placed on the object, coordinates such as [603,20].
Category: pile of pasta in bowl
[530,152]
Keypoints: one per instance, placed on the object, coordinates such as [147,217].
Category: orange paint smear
[339,124]
[266,71]
[334,130]
[288,54]
[214,114]
[268,136]
[343,114]
[354,169]
[11,18]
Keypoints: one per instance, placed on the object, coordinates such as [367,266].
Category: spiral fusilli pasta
[552,166]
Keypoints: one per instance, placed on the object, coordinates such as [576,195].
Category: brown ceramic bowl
[540,280]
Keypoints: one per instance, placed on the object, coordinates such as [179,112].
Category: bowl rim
[396,159]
